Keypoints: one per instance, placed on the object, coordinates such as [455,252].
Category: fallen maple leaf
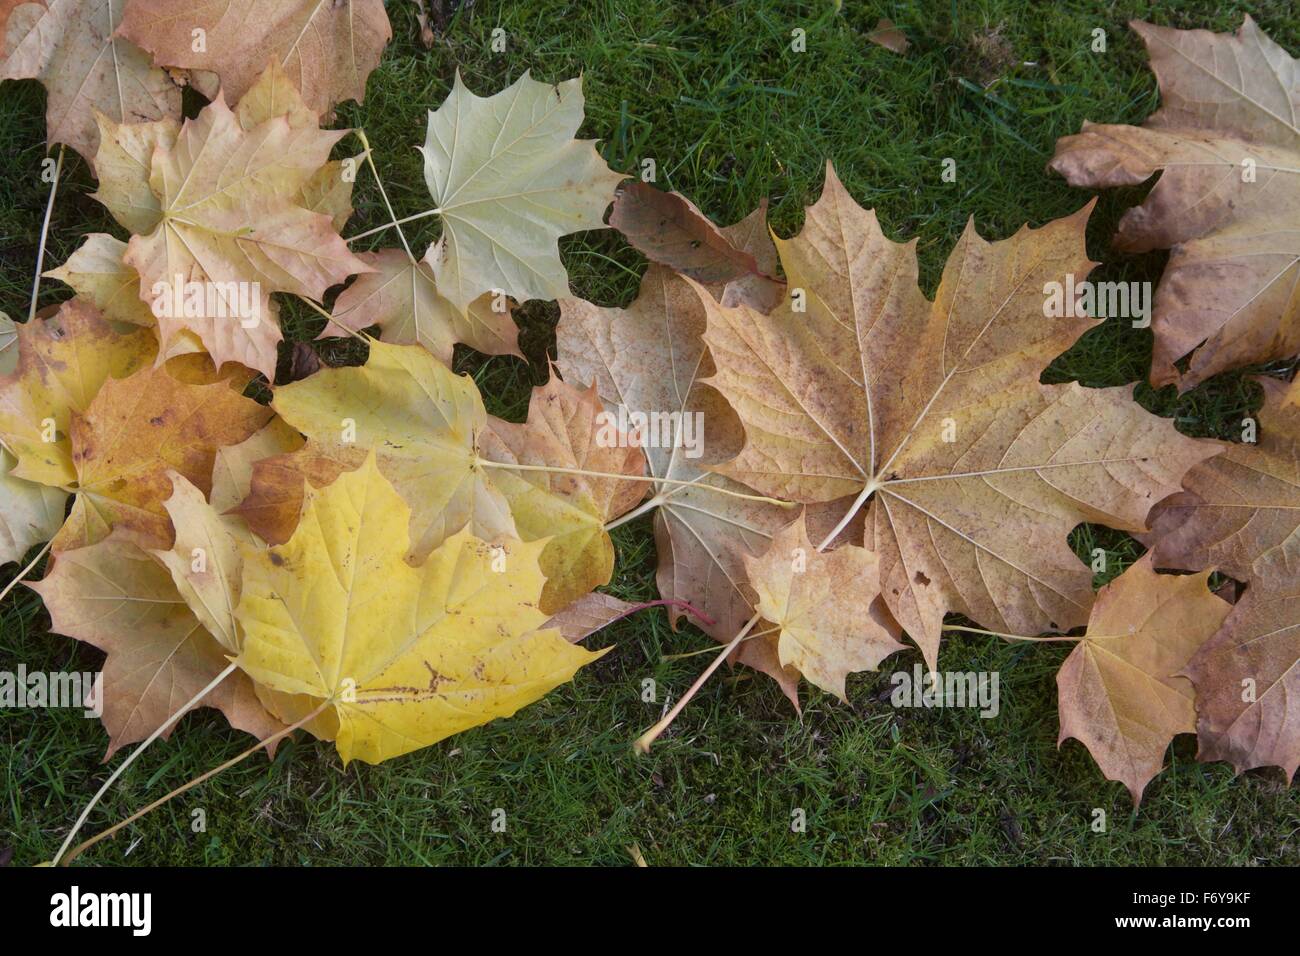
[648,360]
[1247,681]
[564,430]
[1240,511]
[99,275]
[423,420]
[509,180]
[935,410]
[402,298]
[399,656]
[822,605]
[72,48]
[29,513]
[736,262]
[1227,148]
[670,229]
[137,431]
[589,614]
[328,49]
[1120,690]
[119,598]
[62,363]
[230,215]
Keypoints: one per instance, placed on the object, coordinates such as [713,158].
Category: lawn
[713,92]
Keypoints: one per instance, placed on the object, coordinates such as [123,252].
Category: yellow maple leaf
[568,509]
[395,657]
[63,362]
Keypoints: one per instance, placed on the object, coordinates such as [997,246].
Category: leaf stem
[642,743]
[77,851]
[650,504]
[25,571]
[395,223]
[45,231]
[1009,637]
[161,729]
[370,161]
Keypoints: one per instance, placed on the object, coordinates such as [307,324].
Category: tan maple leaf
[134,434]
[565,430]
[119,598]
[824,605]
[1227,147]
[509,180]
[934,409]
[72,48]
[1120,690]
[327,49]
[402,298]
[231,224]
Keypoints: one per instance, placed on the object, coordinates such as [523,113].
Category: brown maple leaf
[1240,511]
[1227,147]
[71,47]
[1247,681]
[858,385]
[1120,690]
[649,360]
[736,262]
[328,49]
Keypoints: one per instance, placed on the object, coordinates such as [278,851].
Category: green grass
[712,91]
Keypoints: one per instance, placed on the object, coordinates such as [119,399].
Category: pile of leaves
[374,558]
